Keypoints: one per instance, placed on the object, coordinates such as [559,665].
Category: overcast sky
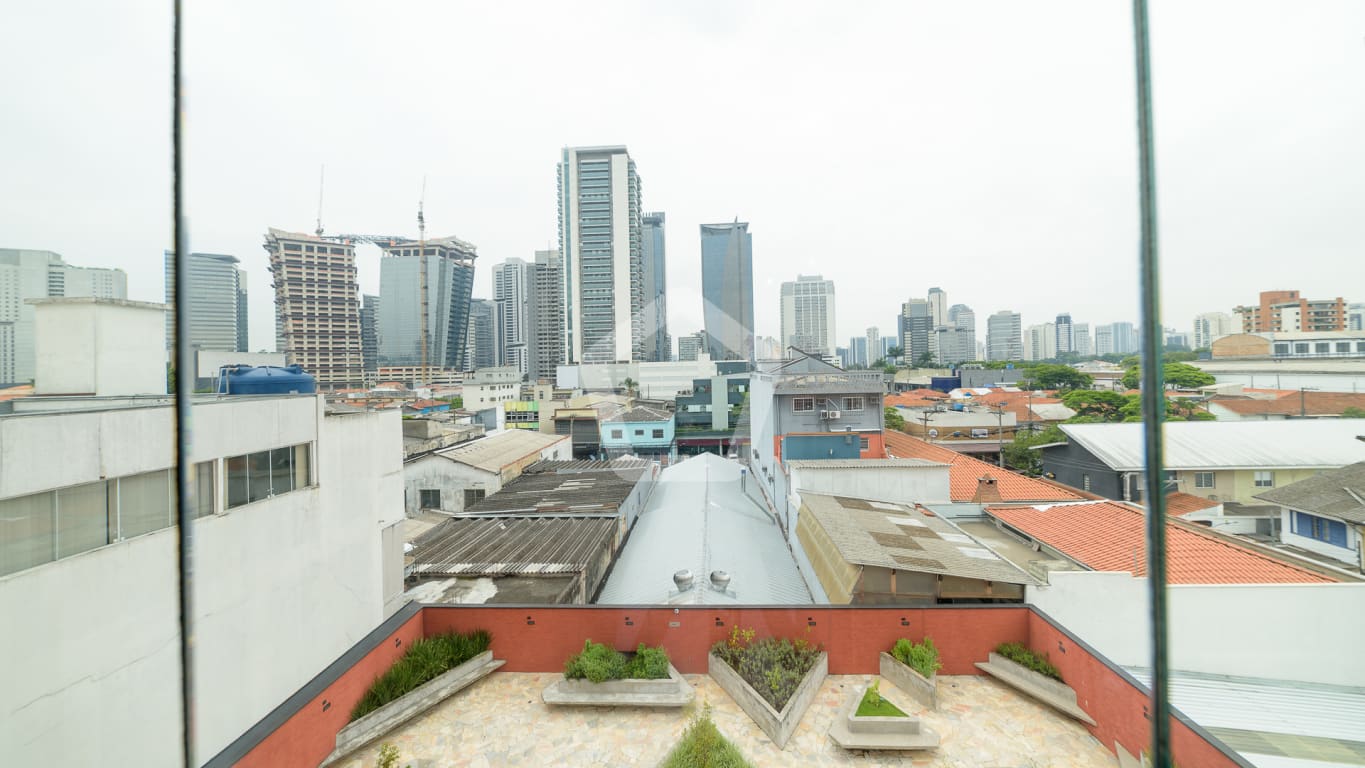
[986,148]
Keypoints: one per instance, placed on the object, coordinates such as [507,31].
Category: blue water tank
[265,380]
[945,383]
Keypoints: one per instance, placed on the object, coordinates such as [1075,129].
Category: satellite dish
[933,433]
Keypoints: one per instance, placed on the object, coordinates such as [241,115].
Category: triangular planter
[778,725]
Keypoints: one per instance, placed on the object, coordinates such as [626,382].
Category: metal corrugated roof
[897,536]
[1211,445]
[699,519]
[569,491]
[491,454]
[502,545]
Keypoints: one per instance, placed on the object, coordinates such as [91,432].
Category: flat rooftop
[501,720]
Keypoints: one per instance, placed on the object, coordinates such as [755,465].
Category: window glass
[27,534]
[201,489]
[303,465]
[853,403]
[237,480]
[82,518]
[616,434]
[658,433]
[281,476]
[1203,479]
[800,404]
[258,471]
[1265,479]
[431,498]
[144,503]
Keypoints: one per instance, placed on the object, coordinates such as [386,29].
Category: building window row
[261,475]
[43,527]
[1321,529]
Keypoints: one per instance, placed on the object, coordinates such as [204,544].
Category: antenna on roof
[322,174]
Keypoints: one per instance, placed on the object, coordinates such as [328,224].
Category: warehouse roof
[907,539]
[1210,445]
[1338,493]
[699,519]
[491,454]
[543,488]
[511,545]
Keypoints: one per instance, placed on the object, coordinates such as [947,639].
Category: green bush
[921,657]
[702,746]
[773,666]
[1020,655]
[874,705]
[598,663]
[424,661]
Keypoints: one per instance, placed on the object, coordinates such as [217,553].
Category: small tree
[1095,406]
[894,419]
[894,353]
[925,359]
[1049,376]
[1353,413]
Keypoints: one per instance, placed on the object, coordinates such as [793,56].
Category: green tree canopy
[1353,413]
[894,419]
[1019,454]
[1095,406]
[1179,375]
[1048,376]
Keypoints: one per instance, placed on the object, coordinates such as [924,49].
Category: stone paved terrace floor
[501,721]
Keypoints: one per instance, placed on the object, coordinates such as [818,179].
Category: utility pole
[1303,407]
[1000,431]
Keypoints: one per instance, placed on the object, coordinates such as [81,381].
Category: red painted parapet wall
[539,639]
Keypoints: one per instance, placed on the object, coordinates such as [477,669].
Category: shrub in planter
[424,661]
[873,705]
[921,657]
[774,666]
[599,663]
[703,745]
[1021,655]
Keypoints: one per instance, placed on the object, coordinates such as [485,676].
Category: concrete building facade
[547,331]
[317,306]
[1003,339]
[513,291]
[217,302]
[1288,311]
[449,264]
[28,274]
[1210,326]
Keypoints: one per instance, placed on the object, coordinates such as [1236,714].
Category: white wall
[106,347]
[1303,632]
[282,586]
[451,477]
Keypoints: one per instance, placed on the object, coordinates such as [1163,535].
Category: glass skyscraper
[450,284]
[727,289]
[658,347]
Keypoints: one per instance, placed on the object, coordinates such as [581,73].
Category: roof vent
[683,580]
[720,580]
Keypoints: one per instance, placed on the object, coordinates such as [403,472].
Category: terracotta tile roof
[1108,536]
[426,404]
[1288,403]
[918,398]
[1180,503]
[1019,403]
[965,472]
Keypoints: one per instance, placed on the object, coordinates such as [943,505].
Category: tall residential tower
[654,283]
[217,302]
[808,315]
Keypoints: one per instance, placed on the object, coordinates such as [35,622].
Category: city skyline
[983,206]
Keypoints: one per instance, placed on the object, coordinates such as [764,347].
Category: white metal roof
[1290,444]
[698,519]
[493,453]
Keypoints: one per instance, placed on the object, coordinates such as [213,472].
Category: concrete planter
[778,725]
[1053,693]
[853,732]
[922,689]
[672,691]
[384,720]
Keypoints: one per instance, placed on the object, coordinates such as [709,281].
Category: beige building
[317,306]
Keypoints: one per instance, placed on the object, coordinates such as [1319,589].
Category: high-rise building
[1104,339]
[654,282]
[317,306]
[601,244]
[1177,341]
[481,337]
[808,315]
[216,302]
[938,307]
[1040,342]
[691,345]
[1065,340]
[547,327]
[369,331]
[449,284]
[874,345]
[956,342]
[1210,326]
[727,290]
[1287,311]
[916,330]
[857,351]
[26,274]
[1125,338]
[513,287]
[1084,345]
[766,348]
[1003,339]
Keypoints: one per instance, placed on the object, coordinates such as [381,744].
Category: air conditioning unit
[824,414]
[834,414]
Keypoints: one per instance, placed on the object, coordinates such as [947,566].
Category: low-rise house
[1278,405]
[450,479]
[1112,536]
[1325,514]
[973,480]
[1228,462]
[639,431]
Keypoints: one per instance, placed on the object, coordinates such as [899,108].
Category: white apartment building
[808,314]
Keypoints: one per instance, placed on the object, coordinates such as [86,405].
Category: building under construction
[317,305]
[406,337]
